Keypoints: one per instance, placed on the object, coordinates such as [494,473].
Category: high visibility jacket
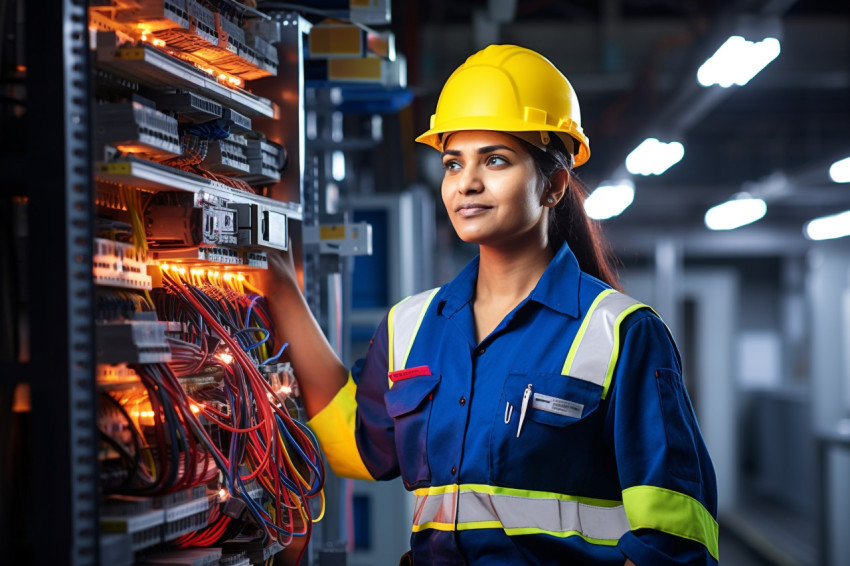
[565,437]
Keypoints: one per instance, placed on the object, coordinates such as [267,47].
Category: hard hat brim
[433,137]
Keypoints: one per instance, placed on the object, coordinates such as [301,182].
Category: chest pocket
[409,403]
[561,422]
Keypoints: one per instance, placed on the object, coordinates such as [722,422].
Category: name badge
[401,374]
[558,406]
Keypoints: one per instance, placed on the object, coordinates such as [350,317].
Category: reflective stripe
[593,354]
[518,512]
[403,323]
[651,507]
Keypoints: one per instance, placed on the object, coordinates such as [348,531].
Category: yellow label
[116,168]
[131,53]
[336,232]
[336,40]
[368,69]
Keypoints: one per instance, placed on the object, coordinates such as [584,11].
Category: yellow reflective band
[433,525]
[615,353]
[418,324]
[437,490]
[568,364]
[650,507]
[334,428]
[561,534]
[391,337]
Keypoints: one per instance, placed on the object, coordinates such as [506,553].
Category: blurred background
[759,301]
[719,171]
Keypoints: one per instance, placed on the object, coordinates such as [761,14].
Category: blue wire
[276,356]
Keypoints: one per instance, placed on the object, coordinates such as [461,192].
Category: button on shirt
[457,423]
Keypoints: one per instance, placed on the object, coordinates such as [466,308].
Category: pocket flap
[556,400]
[406,395]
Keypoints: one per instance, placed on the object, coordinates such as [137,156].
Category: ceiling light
[737,61]
[828,227]
[840,171]
[735,213]
[609,200]
[653,157]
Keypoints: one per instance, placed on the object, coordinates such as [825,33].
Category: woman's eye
[451,165]
[496,160]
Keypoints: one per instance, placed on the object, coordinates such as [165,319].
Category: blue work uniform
[515,456]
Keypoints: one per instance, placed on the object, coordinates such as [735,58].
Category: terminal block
[189,107]
[266,159]
[119,264]
[227,155]
[136,127]
[133,342]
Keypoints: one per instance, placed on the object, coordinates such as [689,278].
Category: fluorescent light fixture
[609,200]
[737,61]
[735,213]
[653,157]
[338,165]
[840,171]
[828,227]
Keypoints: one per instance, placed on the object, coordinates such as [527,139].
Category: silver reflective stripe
[518,514]
[438,508]
[596,347]
[404,321]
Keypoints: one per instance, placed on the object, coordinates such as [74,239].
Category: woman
[538,415]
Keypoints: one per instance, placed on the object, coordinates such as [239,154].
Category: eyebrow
[481,150]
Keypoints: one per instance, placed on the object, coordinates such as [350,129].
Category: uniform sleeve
[354,430]
[667,479]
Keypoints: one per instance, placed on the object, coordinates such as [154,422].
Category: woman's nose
[469,181]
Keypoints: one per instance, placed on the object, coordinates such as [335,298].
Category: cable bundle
[220,411]
[251,419]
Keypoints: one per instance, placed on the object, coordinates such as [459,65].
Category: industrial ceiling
[633,64]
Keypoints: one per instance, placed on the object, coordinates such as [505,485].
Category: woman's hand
[281,274]
[319,371]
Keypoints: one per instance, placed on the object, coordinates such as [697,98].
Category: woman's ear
[556,188]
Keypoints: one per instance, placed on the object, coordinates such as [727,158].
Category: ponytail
[569,223]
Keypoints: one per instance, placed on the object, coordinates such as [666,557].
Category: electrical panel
[203,454]
[135,340]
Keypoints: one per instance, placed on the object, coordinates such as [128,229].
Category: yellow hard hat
[508,88]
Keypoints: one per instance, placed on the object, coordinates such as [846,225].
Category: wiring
[220,411]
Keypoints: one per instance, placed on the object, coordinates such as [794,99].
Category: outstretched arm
[320,372]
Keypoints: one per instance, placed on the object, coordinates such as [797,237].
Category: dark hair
[568,222]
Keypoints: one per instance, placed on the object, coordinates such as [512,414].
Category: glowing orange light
[222,494]
[21,68]
[164,267]
[228,276]
[194,408]
[225,357]
[240,277]
[158,42]
[285,390]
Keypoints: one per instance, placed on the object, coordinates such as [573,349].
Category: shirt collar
[558,287]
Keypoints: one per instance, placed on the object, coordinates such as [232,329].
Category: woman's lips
[469,210]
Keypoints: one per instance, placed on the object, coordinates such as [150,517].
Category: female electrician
[537,414]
